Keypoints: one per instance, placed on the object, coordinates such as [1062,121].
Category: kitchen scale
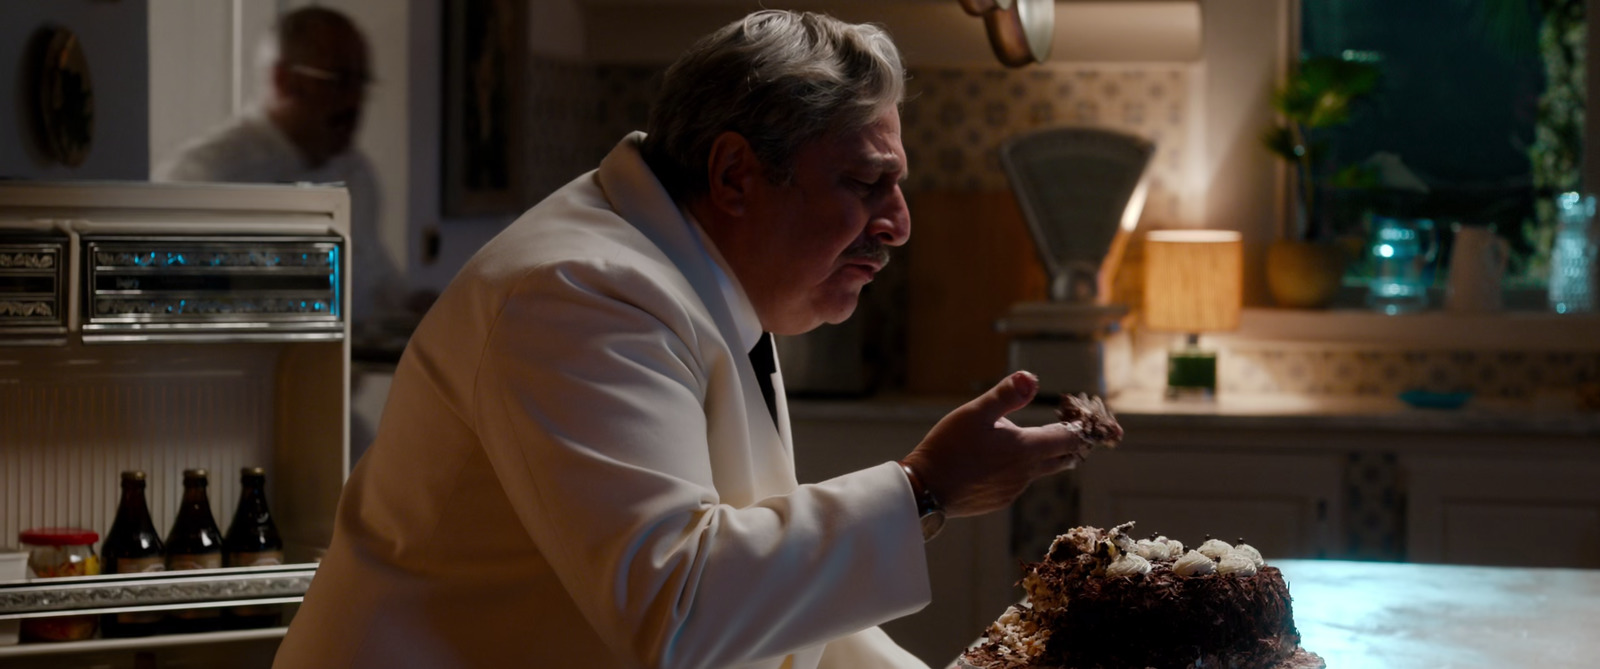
[1081,191]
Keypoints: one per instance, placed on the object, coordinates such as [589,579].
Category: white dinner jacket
[576,469]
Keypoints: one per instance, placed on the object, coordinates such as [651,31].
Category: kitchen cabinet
[1284,505]
[1507,510]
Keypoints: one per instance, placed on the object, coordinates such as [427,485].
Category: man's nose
[891,223]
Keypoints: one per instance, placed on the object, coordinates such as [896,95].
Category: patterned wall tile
[956,119]
[1375,509]
[1372,371]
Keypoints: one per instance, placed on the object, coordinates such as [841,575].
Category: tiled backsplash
[1263,367]
[955,121]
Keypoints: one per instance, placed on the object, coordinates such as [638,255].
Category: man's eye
[868,188]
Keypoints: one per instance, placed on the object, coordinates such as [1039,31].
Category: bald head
[317,76]
[312,32]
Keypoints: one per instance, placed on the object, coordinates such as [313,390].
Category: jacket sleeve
[592,402]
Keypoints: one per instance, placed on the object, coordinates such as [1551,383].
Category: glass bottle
[1573,280]
[252,540]
[252,536]
[194,543]
[132,547]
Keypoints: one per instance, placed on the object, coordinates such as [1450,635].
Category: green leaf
[1280,141]
[1356,177]
[1321,93]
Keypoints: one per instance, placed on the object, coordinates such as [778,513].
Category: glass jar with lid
[54,552]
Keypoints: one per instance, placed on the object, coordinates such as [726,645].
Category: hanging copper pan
[1019,34]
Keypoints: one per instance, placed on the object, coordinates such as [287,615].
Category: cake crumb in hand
[1093,419]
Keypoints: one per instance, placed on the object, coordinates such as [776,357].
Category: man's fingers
[1010,394]
[1055,465]
[1062,463]
[1055,440]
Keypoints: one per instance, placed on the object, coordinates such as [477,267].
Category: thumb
[1012,393]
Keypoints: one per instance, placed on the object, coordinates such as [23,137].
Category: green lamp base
[1191,373]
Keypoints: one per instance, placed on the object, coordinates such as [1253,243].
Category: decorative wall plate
[64,97]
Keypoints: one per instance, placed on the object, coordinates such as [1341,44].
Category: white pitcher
[1477,265]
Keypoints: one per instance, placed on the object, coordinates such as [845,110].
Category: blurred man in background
[303,130]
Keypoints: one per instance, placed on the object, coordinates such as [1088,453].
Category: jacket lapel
[638,197]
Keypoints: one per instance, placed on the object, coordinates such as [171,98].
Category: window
[1476,119]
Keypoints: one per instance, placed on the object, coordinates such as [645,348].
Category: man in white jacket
[585,460]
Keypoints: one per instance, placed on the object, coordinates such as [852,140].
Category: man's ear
[730,172]
[282,80]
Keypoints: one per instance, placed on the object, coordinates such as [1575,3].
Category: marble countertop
[1403,616]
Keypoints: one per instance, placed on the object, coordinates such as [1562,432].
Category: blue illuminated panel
[211,283]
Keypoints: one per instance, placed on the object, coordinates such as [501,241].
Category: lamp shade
[1194,280]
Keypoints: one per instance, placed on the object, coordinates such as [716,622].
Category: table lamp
[1194,283]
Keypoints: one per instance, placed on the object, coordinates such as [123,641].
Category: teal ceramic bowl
[1424,399]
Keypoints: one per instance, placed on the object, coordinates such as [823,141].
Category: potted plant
[1305,269]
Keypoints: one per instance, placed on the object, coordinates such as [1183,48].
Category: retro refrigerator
[159,328]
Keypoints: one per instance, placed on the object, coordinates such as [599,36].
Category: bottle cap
[133,475]
[247,472]
[194,474]
[59,536]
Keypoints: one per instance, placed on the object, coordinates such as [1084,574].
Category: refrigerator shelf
[120,593]
[142,643]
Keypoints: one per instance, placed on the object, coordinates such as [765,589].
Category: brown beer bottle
[194,543]
[252,540]
[131,547]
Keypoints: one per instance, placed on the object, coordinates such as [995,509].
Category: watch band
[929,511]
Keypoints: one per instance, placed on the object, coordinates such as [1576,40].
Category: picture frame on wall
[484,45]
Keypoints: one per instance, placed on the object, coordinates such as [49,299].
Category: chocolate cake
[1092,418]
[1101,600]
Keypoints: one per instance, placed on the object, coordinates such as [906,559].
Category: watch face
[932,523]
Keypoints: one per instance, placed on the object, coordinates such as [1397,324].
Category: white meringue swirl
[1215,548]
[1252,553]
[1129,564]
[1237,563]
[1193,563]
[1150,550]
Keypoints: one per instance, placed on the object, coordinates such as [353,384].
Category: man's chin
[830,314]
[840,313]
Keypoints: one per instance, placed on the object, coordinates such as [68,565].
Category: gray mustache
[868,249]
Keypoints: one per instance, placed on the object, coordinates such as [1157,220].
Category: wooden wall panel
[971,257]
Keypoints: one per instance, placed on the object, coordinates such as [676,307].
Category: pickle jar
[54,552]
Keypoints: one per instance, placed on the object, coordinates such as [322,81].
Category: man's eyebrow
[888,162]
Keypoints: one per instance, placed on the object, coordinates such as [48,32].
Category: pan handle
[979,7]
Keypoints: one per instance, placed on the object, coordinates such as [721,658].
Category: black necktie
[766,364]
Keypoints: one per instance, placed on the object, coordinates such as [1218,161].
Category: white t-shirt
[250,149]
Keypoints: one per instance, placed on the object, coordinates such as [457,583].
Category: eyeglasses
[344,80]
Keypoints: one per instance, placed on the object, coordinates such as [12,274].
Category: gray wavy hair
[778,78]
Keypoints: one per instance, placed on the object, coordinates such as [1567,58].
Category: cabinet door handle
[1322,511]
